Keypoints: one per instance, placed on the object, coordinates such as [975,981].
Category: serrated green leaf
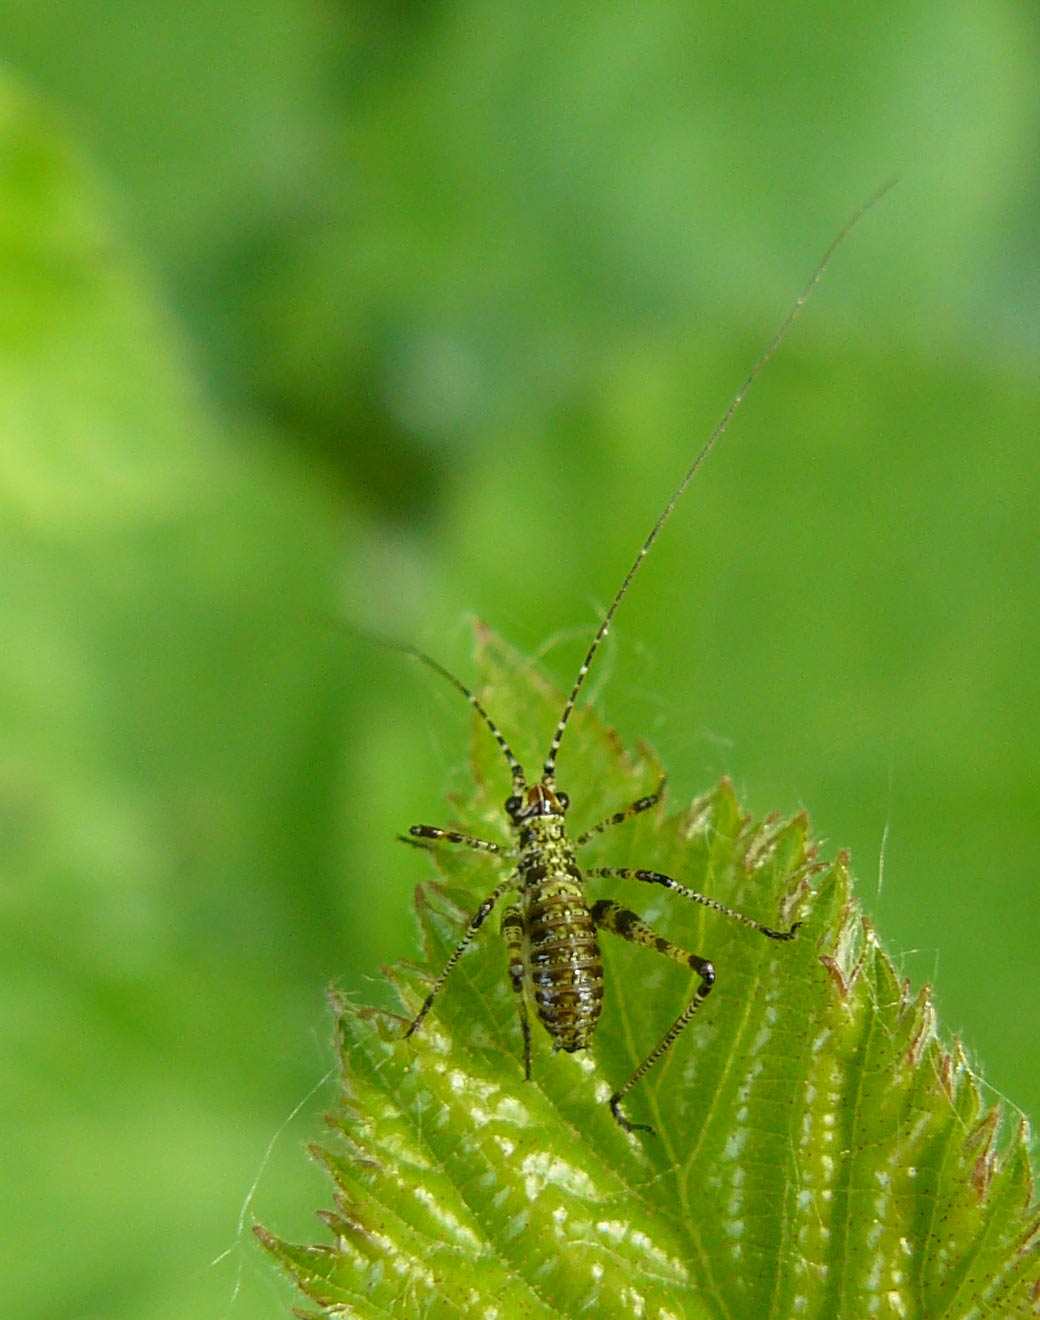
[818,1151]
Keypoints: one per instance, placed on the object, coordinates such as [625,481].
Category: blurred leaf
[163,714]
[818,1153]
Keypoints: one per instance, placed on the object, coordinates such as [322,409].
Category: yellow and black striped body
[550,931]
[562,966]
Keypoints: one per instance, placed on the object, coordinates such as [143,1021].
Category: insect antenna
[549,768]
[515,768]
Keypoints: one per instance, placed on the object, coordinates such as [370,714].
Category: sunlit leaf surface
[818,1151]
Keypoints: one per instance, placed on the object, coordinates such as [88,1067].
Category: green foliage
[819,1151]
[159,709]
[421,308]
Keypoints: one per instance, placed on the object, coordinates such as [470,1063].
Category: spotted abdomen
[563,963]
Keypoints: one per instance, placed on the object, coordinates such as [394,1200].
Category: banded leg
[659,878]
[513,934]
[611,916]
[475,923]
[435,834]
[644,804]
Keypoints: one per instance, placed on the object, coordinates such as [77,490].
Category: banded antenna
[549,769]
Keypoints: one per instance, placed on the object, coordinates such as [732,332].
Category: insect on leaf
[819,1151]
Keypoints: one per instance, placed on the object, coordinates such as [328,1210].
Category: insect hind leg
[610,916]
[513,935]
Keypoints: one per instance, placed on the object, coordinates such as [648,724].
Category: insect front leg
[435,834]
[513,934]
[659,878]
[643,804]
[611,916]
[475,923]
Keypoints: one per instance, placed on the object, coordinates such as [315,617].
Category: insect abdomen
[563,962]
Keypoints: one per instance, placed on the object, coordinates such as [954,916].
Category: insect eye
[513,805]
[564,799]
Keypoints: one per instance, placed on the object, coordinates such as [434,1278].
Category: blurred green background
[407,313]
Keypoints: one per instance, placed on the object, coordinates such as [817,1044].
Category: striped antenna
[549,769]
[515,768]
